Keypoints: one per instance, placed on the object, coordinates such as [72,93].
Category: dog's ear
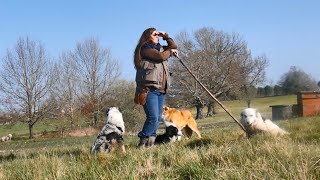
[258,115]
[171,131]
[107,111]
[165,108]
[120,110]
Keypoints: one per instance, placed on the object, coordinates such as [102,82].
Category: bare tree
[96,72]
[26,78]
[214,57]
[65,89]
[252,72]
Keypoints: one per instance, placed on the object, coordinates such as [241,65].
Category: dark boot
[143,142]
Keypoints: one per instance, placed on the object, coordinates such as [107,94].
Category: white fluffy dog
[6,138]
[253,123]
[111,135]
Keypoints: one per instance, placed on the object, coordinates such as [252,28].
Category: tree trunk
[211,109]
[30,131]
[199,111]
[71,123]
[95,119]
[71,117]
[248,103]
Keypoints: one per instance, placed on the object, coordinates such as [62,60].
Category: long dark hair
[145,37]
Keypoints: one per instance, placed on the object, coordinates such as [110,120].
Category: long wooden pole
[205,88]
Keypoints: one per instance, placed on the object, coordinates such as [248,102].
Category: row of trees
[85,80]
[33,87]
[291,82]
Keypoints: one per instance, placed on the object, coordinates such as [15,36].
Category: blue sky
[286,31]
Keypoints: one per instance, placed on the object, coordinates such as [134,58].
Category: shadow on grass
[9,157]
[198,143]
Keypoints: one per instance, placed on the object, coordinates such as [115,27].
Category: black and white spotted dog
[111,135]
[172,134]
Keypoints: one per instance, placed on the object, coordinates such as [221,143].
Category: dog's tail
[193,126]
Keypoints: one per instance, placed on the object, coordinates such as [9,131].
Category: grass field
[222,153]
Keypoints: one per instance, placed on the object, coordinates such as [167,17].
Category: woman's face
[154,37]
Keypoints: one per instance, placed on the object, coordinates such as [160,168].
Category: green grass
[222,153]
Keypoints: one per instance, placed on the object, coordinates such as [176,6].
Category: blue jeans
[153,110]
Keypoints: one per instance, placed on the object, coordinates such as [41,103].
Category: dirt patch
[218,125]
[73,132]
[81,132]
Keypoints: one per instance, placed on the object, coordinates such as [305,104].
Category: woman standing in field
[152,79]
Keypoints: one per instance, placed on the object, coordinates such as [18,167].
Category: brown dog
[182,119]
